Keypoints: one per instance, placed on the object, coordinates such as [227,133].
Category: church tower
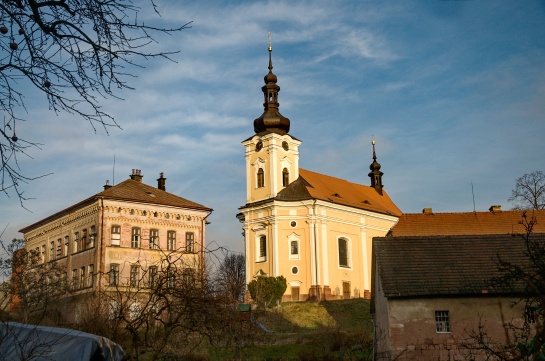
[272,155]
[313,229]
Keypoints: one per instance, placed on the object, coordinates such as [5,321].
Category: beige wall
[406,329]
[318,226]
[102,215]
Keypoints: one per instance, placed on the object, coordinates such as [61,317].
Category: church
[313,229]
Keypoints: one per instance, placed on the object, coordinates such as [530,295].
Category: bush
[266,291]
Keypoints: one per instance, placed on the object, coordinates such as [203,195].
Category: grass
[328,330]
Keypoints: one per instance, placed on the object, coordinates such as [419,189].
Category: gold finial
[373,139]
[270,41]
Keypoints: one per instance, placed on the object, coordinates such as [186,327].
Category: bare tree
[529,192]
[525,337]
[75,53]
[231,277]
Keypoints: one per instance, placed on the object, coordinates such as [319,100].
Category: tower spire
[271,119]
[375,174]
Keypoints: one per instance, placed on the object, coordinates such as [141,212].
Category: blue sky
[453,91]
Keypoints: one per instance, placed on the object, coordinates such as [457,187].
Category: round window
[293,223]
[294,270]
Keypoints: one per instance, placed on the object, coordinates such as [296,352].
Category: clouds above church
[452,90]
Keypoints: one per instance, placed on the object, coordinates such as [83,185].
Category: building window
[74,279]
[59,248]
[343,252]
[154,239]
[114,274]
[135,275]
[188,277]
[171,240]
[134,311]
[260,178]
[152,272]
[135,238]
[83,241]
[52,250]
[262,249]
[285,177]
[82,277]
[190,242]
[66,245]
[294,248]
[171,280]
[92,236]
[76,242]
[43,253]
[116,235]
[91,276]
[114,310]
[442,322]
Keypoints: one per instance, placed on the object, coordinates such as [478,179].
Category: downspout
[201,263]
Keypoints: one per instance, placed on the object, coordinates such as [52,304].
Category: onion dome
[271,119]
[375,174]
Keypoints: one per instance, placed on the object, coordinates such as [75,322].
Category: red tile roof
[132,191]
[136,191]
[447,265]
[470,223]
[312,185]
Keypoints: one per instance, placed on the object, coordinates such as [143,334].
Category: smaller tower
[375,174]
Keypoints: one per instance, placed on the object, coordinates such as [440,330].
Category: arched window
[260,178]
[285,177]
[261,249]
[343,252]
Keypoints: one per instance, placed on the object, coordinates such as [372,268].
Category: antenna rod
[473,194]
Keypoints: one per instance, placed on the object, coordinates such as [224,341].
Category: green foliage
[266,291]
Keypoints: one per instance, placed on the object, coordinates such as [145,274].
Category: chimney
[495,208]
[427,211]
[137,175]
[107,185]
[161,182]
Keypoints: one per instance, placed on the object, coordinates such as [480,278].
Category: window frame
[442,321]
[76,243]
[91,275]
[92,236]
[285,177]
[261,248]
[136,237]
[260,178]
[346,258]
[115,229]
[154,239]
[152,276]
[171,240]
[134,278]
[52,254]
[59,248]
[190,242]
[114,274]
